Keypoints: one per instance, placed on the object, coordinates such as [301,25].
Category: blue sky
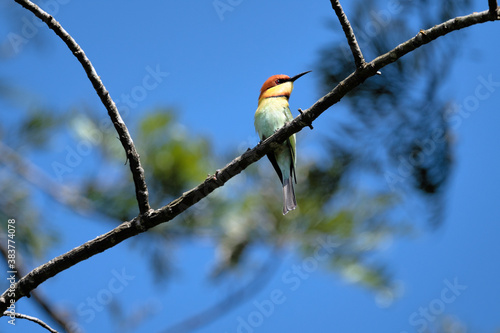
[216,65]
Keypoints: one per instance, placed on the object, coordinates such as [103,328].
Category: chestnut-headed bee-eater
[273,113]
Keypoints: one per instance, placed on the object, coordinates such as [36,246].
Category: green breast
[271,115]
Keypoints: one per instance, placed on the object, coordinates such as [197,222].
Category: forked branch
[144,222]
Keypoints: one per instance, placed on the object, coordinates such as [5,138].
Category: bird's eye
[279,81]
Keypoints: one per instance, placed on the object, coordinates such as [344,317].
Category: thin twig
[35,294]
[141,189]
[142,223]
[349,34]
[30,318]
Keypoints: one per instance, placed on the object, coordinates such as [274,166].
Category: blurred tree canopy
[396,138]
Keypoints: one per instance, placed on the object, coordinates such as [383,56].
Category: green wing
[291,145]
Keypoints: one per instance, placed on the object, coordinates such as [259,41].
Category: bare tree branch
[349,34]
[20,272]
[30,318]
[141,189]
[150,219]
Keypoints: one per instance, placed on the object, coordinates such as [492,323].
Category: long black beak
[298,75]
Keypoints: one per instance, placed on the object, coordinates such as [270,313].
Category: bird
[272,113]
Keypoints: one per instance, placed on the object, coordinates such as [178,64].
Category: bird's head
[278,86]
